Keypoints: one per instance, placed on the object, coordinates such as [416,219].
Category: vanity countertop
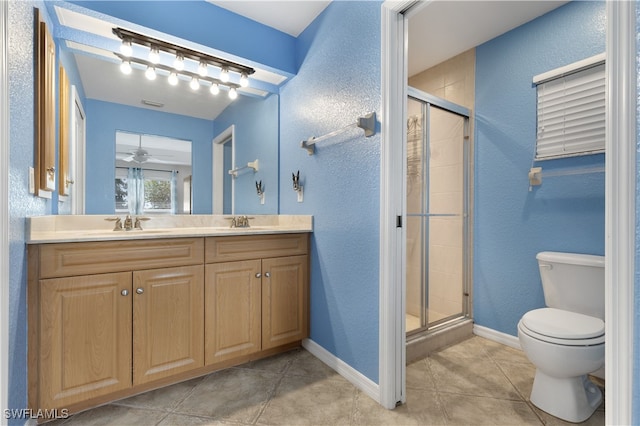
[78,228]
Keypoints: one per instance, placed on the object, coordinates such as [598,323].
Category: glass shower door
[436,252]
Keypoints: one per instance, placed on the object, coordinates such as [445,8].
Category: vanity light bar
[186,53]
[169,69]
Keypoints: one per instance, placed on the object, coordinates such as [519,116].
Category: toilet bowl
[565,341]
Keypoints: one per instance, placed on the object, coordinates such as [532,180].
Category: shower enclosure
[437,189]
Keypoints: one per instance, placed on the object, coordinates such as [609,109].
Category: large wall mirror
[128,113]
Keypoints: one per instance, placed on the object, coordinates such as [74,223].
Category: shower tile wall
[454,81]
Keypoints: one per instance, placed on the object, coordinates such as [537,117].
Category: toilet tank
[573,282]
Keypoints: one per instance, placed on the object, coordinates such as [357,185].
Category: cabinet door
[232,310]
[168,322]
[284,300]
[85,338]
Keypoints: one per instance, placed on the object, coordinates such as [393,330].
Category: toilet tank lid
[571,258]
[563,324]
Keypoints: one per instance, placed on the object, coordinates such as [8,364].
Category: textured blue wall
[564,214]
[338,80]
[21,203]
[104,118]
[256,137]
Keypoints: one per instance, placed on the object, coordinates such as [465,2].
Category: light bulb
[233,93]
[150,73]
[244,80]
[224,75]
[125,48]
[154,55]
[173,79]
[214,89]
[125,67]
[178,63]
[195,84]
[202,69]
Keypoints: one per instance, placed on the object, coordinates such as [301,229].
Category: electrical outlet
[32,181]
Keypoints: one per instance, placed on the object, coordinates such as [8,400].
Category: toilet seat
[563,327]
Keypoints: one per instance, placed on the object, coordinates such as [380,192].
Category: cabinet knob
[139,290]
[258,275]
[266,274]
[124,292]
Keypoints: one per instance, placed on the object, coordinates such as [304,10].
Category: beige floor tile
[499,352]
[306,364]
[479,377]
[182,420]
[419,376]
[597,419]
[466,410]
[275,364]
[165,399]
[116,415]
[309,400]
[235,394]
[471,348]
[521,375]
[422,408]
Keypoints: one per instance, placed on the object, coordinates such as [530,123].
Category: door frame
[4,208]
[620,208]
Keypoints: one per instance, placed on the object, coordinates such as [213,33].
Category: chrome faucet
[240,222]
[137,224]
[118,223]
[128,223]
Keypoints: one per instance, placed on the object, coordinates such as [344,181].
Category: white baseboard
[356,378]
[496,336]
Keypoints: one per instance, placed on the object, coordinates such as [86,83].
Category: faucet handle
[137,224]
[118,223]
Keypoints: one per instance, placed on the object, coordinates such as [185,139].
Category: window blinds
[571,110]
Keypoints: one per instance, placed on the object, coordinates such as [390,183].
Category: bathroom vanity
[112,314]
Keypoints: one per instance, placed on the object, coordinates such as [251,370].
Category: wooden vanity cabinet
[168,322]
[103,317]
[114,318]
[256,294]
[85,338]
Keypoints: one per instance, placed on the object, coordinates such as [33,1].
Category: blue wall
[338,80]
[256,137]
[104,118]
[564,214]
[21,203]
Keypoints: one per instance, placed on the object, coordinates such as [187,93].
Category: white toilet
[565,340]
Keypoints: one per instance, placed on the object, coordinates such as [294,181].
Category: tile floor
[474,382]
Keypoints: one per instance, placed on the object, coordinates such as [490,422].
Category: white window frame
[571,110]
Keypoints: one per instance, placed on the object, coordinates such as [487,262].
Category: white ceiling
[441,29]
[289,16]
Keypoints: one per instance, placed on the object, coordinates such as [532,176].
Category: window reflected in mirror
[153,174]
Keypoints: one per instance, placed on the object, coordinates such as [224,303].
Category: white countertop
[78,228]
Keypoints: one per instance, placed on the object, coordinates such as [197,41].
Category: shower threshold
[420,345]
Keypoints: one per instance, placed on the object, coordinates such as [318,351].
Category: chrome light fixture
[178,63]
[194,84]
[154,55]
[125,67]
[173,79]
[150,73]
[200,63]
[125,47]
